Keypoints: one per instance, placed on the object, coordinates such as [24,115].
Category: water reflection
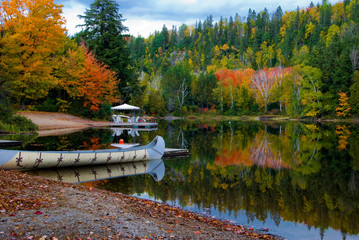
[155,168]
[133,132]
[307,174]
[299,179]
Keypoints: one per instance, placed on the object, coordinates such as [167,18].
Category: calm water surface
[300,180]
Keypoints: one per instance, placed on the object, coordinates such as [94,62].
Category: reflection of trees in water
[279,171]
[170,132]
[286,171]
[353,182]
[263,149]
[274,146]
[266,193]
[183,144]
[263,154]
[175,135]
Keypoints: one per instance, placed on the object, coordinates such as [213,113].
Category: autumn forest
[302,63]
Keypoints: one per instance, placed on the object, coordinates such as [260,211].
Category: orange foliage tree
[344,108]
[31,32]
[235,77]
[88,78]
[230,81]
[343,133]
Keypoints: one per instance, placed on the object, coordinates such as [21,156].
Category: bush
[49,105]
[6,110]
[19,122]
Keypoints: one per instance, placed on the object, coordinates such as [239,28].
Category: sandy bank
[59,123]
[35,208]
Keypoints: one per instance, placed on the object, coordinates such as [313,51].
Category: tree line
[301,63]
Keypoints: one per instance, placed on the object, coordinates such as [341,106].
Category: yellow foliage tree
[31,33]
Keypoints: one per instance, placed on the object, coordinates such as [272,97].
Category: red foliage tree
[88,78]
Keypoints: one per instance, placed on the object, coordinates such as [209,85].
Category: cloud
[145,28]
[144,17]
[71,9]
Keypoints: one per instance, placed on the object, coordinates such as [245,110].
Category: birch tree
[262,84]
[175,84]
[182,93]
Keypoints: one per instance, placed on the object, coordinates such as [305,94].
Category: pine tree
[104,35]
[354,94]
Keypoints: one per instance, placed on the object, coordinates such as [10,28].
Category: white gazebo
[125,107]
[118,118]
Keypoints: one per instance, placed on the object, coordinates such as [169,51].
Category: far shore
[60,123]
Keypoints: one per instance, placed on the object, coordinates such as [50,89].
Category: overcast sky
[144,17]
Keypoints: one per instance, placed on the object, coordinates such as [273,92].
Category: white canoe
[18,159]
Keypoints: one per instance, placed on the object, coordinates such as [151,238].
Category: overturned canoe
[18,159]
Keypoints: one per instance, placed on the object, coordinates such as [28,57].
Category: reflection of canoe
[18,159]
[155,168]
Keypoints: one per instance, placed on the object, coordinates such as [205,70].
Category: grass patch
[17,124]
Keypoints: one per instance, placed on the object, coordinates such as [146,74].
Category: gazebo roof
[125,107]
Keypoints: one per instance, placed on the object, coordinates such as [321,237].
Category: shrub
[21,123]
[49,105]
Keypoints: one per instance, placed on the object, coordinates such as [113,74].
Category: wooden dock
[175,153]
[9,143]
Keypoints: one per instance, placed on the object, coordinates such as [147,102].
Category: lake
[299,180]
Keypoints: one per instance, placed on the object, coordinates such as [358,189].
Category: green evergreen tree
[325,14]
[203,89]
[173,37]
[276,23]
[104,34]
[354,94]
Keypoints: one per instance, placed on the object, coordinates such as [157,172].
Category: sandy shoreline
[35,208]
[50,124]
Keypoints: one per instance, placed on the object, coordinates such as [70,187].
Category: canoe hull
[17,159]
